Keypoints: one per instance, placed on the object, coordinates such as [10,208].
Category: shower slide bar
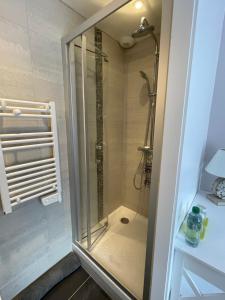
[21,182]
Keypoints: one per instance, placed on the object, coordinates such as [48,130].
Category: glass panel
[120,98]
[76,51]
[92,209]
[94,112]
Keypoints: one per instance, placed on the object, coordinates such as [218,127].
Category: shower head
[144,28]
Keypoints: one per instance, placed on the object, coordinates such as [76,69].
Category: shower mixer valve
[144,169]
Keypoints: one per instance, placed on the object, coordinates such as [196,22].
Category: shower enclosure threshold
[121,249]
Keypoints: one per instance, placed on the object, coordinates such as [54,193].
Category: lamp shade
[216,166]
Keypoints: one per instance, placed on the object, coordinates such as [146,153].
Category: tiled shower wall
[34,237]
[140,57]
[125,116]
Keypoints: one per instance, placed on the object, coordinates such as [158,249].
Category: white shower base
[121,249]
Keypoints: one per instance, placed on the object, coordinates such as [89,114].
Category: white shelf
[205,263]
[211,250]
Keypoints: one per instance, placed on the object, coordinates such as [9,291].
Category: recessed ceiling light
[138,4]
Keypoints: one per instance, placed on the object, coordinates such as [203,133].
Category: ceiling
[125,20]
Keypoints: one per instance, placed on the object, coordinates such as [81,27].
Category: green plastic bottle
[194,226]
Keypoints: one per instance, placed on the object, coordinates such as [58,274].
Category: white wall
[34,237]
[203,67]
[191,78]
[216,136]
[173,96]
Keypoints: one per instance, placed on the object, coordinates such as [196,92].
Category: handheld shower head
[145,77]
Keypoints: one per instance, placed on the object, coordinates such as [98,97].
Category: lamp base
[218,188]
[216,200]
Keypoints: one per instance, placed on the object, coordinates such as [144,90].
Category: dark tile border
[99,120]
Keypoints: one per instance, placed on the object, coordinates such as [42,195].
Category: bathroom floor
[121,249]
[79,285]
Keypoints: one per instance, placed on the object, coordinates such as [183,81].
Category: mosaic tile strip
[99,120]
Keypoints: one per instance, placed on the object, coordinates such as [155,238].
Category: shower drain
[124,220]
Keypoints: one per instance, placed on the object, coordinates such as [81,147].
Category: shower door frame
[103,278]
[87,193]
[71,102]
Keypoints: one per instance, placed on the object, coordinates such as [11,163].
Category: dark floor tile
[68,286]
[90,291]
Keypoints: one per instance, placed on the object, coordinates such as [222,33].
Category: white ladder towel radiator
[21,182]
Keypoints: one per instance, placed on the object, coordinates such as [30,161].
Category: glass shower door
[89,96]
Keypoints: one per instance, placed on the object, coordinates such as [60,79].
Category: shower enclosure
[111,127]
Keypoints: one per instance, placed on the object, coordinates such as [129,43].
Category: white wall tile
[14,46]
[14,11]
[140,57]
[34,237]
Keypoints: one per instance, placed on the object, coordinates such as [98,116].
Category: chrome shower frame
[114,289]
[105,280]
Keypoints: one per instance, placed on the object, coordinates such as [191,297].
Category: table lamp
[216,167]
